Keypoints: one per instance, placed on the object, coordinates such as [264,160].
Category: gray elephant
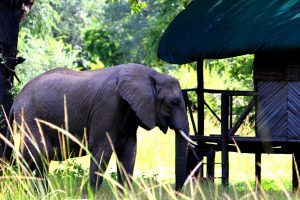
[112,102]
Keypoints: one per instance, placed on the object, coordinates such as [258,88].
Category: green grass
[156,161]
[154,177]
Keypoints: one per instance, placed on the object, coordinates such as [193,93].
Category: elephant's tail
[7,148]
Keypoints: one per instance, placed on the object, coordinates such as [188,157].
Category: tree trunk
[11,13]
[9,28]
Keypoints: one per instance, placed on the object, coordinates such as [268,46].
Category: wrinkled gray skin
[114,100]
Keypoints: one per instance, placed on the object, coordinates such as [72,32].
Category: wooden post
[296,165]
[200,97]
[230,112]
[224,138]
[258,170]
[210,173]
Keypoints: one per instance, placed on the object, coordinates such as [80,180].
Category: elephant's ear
[136,86]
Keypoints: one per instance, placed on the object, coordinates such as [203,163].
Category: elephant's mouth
[163,128]
[163,124]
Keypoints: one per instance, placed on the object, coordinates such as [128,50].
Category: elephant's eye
[175,102]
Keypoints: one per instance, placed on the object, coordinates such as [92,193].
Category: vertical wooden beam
[230,112]
[257,170]
[224,138]
[200,97]
[296,165]
[210,173]
[189,110]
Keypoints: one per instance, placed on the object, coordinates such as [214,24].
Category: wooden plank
[200,97]
[228,92]
[211,165]
[230,111]
[189,109]
[246,147]
[212,111]
[257,170]
[224,139]
[231,92]
[217,138]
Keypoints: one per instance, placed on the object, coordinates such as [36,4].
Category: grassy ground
[155,162]
[153,177]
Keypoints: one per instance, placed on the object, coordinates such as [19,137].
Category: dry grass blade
[69,135]
[190,177]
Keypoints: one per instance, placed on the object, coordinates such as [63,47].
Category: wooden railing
[220,142]
[226,108]
[228,128]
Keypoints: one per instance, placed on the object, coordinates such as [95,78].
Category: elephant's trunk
[181,146]
[182,141]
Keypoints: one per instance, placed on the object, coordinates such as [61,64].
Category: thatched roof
[226,28]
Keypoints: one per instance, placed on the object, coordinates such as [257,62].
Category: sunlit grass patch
[68,183]
[154,176]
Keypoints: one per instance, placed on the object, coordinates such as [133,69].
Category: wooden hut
[269,29]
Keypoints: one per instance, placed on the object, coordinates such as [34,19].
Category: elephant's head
[157,100]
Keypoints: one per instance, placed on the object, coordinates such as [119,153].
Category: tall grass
[69,179]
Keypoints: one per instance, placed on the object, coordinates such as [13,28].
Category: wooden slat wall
[277,80]
[271,111]
[278,109]
[293,109]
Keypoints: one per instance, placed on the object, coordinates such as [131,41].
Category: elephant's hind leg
[37,164]
[36,158]
[37,151]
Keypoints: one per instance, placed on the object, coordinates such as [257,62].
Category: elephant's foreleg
[126,153]
[98,166]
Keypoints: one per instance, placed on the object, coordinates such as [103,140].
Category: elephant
[109,104]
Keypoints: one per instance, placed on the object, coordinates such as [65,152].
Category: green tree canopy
[88,34]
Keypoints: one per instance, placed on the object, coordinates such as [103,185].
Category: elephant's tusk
[189,140]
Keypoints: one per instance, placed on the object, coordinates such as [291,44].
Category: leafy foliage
[132,38]
[85,34]
[43,18]
[136,5]
[70,169]
[98,42]
[42,54]
[239,71]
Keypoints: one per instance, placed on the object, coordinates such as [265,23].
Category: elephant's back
[78,86]
[48,91]
[56,78]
